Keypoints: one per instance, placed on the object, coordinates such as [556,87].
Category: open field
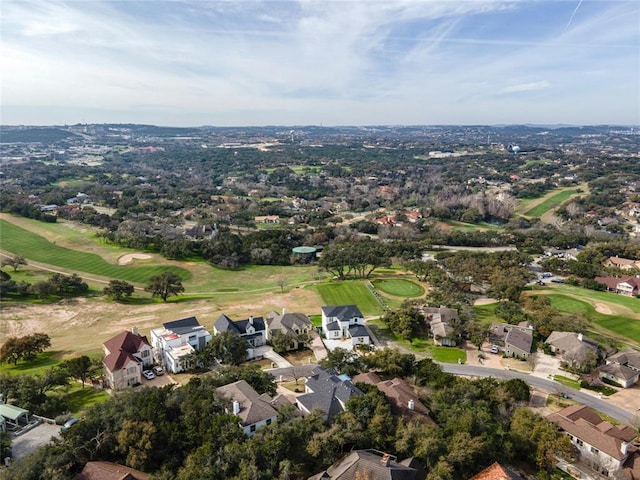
[349,292]
[398,287]
[468,227]
[537,207]
[38,249]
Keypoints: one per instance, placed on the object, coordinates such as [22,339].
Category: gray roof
[289,323]
[333,326]
[239,327]
[629,358]
[441,329]
[358,331]
[572,343]
[619,371]
[182,326]
[522,340]
[369,464]
[253,407]
[328,392]
[342,312]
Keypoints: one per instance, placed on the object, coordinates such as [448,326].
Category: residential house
[518,342]
[110,471]
[252,329]
[574,348]
[372,465]
[292,324]
[270,219]
[495,471]
[623,367]
[629,285]
[125,356]
[438,319]
[252,409]
[401,397]
[622,263]
[345,321]
[327,391]
[602,447]
[176,340]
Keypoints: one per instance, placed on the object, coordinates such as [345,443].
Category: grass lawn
[350,292]
[381,330]
[449,354]
[399,287]
[569,382]
[316,320]
[43,362]
[33,247]
[551,202]
[79,399]
[624,327]
[471,227]
[486,313]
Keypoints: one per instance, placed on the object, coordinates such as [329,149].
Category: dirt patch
[485,301]
[130,257]
[603,308]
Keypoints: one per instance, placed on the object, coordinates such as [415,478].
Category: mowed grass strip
[551,202]
[350,292]
[33,247]
[622,326]
[399,287]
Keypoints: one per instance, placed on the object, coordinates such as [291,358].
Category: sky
[320,62]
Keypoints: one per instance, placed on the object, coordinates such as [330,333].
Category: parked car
[547,275]
[557,280]
[68,424]
[148,374]
[495,349]
[158,371]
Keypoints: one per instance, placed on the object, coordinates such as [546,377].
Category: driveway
[24,444]
[317,346]
[267,352]
[548,365]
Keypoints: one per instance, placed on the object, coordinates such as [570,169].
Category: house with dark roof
[372,465]
[575,349]
[175,341]
[345,322]
[292,324]
[518,342]
[125,356]
[622,367]
[252,329]
[326,391]
[252,409]
[401,396]
[602,447]
[628,286]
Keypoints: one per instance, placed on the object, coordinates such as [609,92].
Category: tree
[228,348]
[165,285]
[281,342]
[24,348]
[117,289]
[14,262]
[282,282]
[78,367]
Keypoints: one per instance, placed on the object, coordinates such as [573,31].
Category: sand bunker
[603,308]
[130,257]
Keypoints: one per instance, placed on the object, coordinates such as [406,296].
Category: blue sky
[309,62]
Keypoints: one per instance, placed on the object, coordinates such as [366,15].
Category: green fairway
[350,292]
[36,248]
[631,303]
[399,287]
[623,327]
[471,227]
[551,202]
[43,362]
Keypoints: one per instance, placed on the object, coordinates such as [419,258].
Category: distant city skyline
[308,62]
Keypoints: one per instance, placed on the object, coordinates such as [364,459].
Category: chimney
[236,407]
[411,404]
[624,448]
[134,330]
[284,311]
[251,319]
[385,460]
[580,337]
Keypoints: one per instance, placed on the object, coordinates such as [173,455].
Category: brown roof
[121,349]
[109,471]
[253,407]
[496,471]
[584,423]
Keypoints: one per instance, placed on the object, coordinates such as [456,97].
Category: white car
[495,349]
[148,374]
[158,371]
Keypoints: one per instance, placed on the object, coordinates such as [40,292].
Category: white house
[344,321]
[252,329]
[622,367]
[176,340]
[604,448]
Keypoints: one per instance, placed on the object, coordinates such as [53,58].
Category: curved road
[544,384]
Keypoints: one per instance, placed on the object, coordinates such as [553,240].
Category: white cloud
[527,87]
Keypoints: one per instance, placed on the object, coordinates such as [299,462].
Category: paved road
[544,384]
